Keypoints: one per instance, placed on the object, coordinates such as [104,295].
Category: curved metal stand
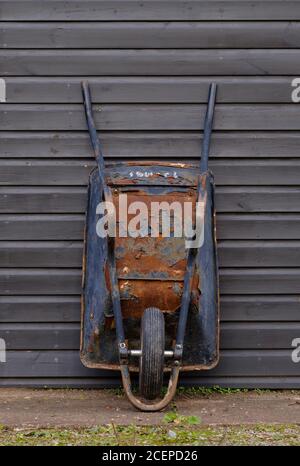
[142,405]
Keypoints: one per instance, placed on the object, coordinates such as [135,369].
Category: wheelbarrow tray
[150,270]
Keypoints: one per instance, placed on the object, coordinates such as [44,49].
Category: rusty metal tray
[150,270]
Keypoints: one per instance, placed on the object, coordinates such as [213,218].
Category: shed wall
[149,65]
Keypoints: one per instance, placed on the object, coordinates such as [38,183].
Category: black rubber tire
[152,359]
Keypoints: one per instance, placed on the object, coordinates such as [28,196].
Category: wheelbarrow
[150,302]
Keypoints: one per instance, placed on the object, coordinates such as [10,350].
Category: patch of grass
[179,434]
[116,391]
[207,391]
[195,391]
[260,391]
[175,418]
[183,390]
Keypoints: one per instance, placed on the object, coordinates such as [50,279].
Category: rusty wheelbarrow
[150,302]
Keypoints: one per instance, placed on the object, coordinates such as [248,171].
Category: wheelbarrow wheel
[152,359]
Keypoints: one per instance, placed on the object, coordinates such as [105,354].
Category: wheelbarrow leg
[159,405]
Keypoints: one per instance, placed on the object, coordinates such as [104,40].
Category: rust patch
[149,257]
[152,257]
[107,278]
[137,295]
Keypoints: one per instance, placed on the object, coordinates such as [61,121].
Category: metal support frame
[124,353]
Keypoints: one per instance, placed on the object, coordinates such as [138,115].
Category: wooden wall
[149,63]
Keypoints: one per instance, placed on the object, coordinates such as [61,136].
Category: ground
[105,417]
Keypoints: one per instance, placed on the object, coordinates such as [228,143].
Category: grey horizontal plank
[172,89]
[42,200]
[70,227]
[76,172]
[151,10]
[57,336]
[46,364]
[150,35]
[258,308]
[167,62]
[41,336]
[234,308]
[257,199]
[150,117]
[52,172]
[247,199]
[68,281]
[260,281]
[185,380]
[66,363]
[42,227]
[258,226]
[41,253]
[109,381]
[259,253]
[39,309]
[69,254]
[40,281]
[152,144]
[255,363]
[258,335]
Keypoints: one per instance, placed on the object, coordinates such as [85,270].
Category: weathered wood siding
[149,64]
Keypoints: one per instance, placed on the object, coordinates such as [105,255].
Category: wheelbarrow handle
[86,93]
[107,195]
[192,253]
[208,124]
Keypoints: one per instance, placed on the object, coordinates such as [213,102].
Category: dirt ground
[88,408]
